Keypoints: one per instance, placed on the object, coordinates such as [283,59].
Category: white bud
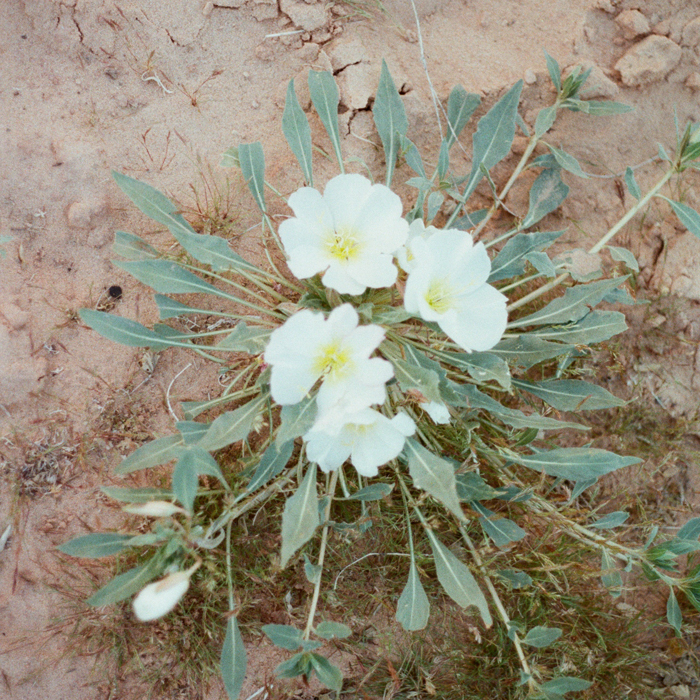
[159,598]
[154,509]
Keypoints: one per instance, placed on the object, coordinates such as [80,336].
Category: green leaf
[597,108]
[460,107]
[125,585]
[296,130]
[230,158]
[132,247]
[502,531]
[243,338]
[690,531]
[122,330]
[542,263]
[571,394]
[167,277]
[373,492]
[409,377]
[574,305]
[515,578]
[546,195]
[169,308]
[232,426]
[687,215]
[296,420]
[233,660]
[324,95]
[300,518]
[284,636]
[494,136]
[554,71]
[332,630]
[140,495]
[158,451]
[412,157]
[252,162]
[510,261]
[575,463]
[673,612]
[327,673]
[631,183]
[435,200]
[390,119]
[434,475]
[191,431]
[413,608]
[472,487]
[565,684]
[185,481]
[610,520]
[596,327]
[567,162]
[545,120]
[273,461]
[481,366]
[525,351]
[625,256]
[457,580]
[97,545]
[541,637]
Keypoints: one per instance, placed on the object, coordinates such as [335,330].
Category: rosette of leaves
[481,470]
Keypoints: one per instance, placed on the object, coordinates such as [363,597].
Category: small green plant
[429,382]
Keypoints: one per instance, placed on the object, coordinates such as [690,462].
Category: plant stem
[599,245]
[322,552]
[229,574]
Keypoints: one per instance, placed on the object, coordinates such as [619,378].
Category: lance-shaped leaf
[332,630]
[574,305]
[252,162]
[457,580]
[571,394]
[631,183]
[434,475]
[413,608]
[545,120]
[610,520]
[501,530]
[565,684]
[166,277]
[390,119]
[510,261]
[122,330]
[233,660]
[547,193]
[541,637]
[244,338]
[296,420]
[273,461]
[526,351]
[411,377]
[191,431]
[596,327]
[373,492]
[125,585]
[554,71]
[97,545]
[460,107]
[674,616]
[232,426]
[300,517]
[567,162]
[284,636]
[296,130]
[158,451]
[132,247]
[327,673]
[324,95]
[137,495]
[193,462]
[412,157]
[482,366]
[169,308]
[575,463]
[625,256]
[494,137]
[687,215]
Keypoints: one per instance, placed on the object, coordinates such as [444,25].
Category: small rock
[691,34]
[308,53]
[208,8]
[265,9]
[693,81]
[633,24]
[347,51]
[530,76]
[648,61]
[15,317]
[663,28]
[357,83]
[265,51]
[308,17]
[606,6]
[82,214]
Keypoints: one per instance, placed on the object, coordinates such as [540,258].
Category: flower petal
[345,195]
[337,278]
[159,598]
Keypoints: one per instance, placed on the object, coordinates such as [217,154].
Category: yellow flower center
[331,360]
[343,244]
[440,296]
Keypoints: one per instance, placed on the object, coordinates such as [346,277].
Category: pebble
[633,24]
[308,17]
[649,61]
[693,81]
[691,33]
[530,76]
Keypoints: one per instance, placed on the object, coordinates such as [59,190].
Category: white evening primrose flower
[349,233]
[160,597]
[337,350]
[448,286]
[416,231]
[367,437]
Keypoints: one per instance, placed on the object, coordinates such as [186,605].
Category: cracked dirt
[159,90]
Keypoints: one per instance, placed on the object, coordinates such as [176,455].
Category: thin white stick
[170,386]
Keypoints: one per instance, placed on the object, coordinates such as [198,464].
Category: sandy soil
[158,90]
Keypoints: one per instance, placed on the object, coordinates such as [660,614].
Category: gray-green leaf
[300,517]
[296,130]
[126,584]
[460,107]
[158,451]
[296,420]
[232,426]
[233,660]
[571,394]
[324,95]
[546,194]
[252,162]
[413,608]
[97,545]
[390,119]
[273,461]
[541,637]
[332,630]
[284,636]
[575,463]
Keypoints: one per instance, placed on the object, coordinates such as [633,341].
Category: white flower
[350,233]
[154,509]
[367,437]
[448,285]
[160,597]
[308,347]
[437,410]
[416,231]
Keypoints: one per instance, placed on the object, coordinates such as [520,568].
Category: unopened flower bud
[159,598]
[154,509]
